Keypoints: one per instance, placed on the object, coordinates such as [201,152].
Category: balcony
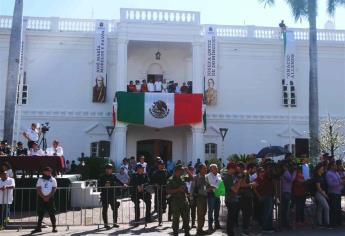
[151,16]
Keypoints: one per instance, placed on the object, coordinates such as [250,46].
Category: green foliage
[94,167]
[240,158]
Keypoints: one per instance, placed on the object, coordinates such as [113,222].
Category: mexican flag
[159,110]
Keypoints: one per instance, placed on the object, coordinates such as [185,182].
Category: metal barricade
[89,206]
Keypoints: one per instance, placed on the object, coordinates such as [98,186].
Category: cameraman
[32,135]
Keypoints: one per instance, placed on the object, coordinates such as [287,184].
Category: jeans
[230,221]
[286,203]
[267,212]
[335,209]
[213,209]
[246,204]
[4,212]
[42,208]
[300,204]
[322,211]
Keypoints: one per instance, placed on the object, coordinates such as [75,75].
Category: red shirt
[298,186]
[143,88]
[131,88]
[265,185]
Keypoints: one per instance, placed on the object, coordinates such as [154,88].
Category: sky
[223,12]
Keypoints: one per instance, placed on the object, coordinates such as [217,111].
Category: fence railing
[77,207]
[80,207]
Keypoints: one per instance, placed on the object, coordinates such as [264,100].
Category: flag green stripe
[130,108]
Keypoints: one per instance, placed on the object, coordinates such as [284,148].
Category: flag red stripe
[188,108]
[114,116]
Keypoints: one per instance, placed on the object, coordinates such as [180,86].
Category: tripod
[43,142]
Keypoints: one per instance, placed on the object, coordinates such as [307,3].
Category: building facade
[59,67]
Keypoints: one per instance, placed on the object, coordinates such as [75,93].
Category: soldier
[159,178]
[199,195]
[139,183]
[107,183]
[179,202]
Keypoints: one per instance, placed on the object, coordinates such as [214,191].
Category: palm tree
[13,71]
[308,9]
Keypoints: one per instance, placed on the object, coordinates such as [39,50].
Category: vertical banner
[289,88]
[100,66]
[289,56]
[211,65]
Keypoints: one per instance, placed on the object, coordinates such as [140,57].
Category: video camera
[45,127]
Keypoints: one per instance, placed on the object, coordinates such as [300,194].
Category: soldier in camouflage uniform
[179,202]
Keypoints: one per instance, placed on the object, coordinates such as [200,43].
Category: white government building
[59,64]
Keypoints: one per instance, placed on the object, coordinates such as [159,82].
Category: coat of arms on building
[159,109]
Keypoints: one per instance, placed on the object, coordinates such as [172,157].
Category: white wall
[59,74]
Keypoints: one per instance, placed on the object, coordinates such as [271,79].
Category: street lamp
[223,132]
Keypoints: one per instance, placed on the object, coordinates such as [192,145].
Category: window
[100,149]
[289,94]
[210,148]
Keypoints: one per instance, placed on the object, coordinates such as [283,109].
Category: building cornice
[213,117]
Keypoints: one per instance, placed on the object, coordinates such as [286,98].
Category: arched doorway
[155,147]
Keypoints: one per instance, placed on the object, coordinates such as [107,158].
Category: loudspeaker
[301,147]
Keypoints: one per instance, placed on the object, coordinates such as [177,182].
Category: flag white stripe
[161,115]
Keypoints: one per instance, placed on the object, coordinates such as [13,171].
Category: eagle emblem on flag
[159,109]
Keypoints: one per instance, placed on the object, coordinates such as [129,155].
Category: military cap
[109,166]
[178,167]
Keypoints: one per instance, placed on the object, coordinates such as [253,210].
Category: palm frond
[299,8]
[333,4]
[267,2]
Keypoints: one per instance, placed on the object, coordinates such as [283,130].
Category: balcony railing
[55,24]
[275,33]
[150,16]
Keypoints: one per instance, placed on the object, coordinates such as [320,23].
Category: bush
[94,167]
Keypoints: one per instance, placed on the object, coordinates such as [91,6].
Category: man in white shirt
[158,86]
[123,176]
[143,163]
[213,179]
[7,185]
[46,188]
[35,150]
[32,135]
[177,88]
[55,150]
[150,86]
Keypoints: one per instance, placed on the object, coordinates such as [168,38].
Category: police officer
[159,179]
[139,183]
[179,202]
[4,149]
[108,183]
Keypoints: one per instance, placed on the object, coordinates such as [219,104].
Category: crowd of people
[159,86]
[250,188]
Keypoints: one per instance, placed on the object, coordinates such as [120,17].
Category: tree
[13,71]
[332,136]
[308,9]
